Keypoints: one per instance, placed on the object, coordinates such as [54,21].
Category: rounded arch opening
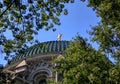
[40,78]
[42,71]
[40,75]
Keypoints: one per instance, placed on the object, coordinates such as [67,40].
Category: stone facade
[33,70]
[33,67]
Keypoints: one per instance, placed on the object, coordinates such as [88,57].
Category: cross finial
[59,37]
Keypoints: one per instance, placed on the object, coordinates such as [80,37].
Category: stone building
[36,64]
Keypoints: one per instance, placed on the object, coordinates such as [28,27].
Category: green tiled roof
[45,47]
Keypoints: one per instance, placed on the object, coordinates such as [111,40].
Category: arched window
[40,78]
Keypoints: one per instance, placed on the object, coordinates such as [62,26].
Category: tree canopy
[107,32]
[24,18]
[85,65]
[5,78]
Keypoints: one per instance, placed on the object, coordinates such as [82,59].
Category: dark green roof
[44,47]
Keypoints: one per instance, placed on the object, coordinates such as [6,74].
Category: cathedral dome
[43,48]
[36,64]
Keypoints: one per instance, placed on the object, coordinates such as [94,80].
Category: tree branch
[6,9]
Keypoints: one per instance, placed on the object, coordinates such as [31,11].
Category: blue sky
[79,19]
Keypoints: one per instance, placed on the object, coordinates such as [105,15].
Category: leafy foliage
[24,19]
[107,32]
[84,65]
[5,78]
